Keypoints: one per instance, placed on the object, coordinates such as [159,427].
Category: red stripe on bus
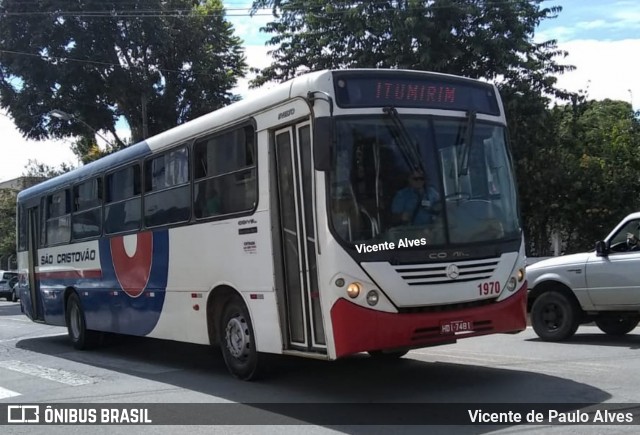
[70,274]
[359,329]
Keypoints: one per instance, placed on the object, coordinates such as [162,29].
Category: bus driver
[416,204]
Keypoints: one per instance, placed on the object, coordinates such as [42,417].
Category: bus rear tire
[237,340]
[80,336]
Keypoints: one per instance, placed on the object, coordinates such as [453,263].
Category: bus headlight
[353,290]
[520,275]
[511,284]
[373,297]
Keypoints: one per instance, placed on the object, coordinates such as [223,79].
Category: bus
[340,212]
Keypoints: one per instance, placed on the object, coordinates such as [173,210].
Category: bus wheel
[616,325]
[387,356]
[80,337]
[237,341]
[554,316]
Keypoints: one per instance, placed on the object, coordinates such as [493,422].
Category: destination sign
[414,90]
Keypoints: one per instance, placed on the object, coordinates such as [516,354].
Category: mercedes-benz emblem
[453,272]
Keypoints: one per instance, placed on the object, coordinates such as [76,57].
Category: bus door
[35,306]
[297,281]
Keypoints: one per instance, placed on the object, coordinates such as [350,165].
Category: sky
[601,37]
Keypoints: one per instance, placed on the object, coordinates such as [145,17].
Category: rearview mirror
[601,249]
[322,143]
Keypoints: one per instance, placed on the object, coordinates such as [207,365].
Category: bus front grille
[447,273]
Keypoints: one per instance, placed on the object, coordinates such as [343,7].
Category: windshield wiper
[408,148]
[463,168]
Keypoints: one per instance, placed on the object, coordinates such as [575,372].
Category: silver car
[8,281]
[602,286]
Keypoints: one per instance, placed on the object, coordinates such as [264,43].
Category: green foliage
[577,168]
[88,150]
[602,139]
[36,169]
[474,38]
[100,61]
[7,225]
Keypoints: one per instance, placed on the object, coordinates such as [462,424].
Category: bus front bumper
[358,329]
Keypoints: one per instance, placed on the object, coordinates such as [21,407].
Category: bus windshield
[438,180]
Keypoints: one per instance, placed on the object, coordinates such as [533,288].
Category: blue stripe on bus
[119,312]
[107,306]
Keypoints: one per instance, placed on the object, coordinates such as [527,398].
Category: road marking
[55,375]
[5,394]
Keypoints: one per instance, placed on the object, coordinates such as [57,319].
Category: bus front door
[34,306]
[297,280]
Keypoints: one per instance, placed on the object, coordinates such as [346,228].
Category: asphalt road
[38,365]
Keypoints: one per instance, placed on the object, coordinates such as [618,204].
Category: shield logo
[132,269]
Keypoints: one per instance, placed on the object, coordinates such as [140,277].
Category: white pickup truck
[601,286]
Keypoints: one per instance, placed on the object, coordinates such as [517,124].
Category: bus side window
[86,220]
[114,218]
[58,217]
[122,209]
[167,194]
[225,173]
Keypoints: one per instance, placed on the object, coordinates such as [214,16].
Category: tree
[36,169]
[156,63]
[7,226]
[542,167]
[603,139]
[474,38]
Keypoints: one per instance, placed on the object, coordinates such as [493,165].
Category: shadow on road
[316,389]
[630,341]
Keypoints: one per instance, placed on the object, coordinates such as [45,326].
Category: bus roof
[204,124]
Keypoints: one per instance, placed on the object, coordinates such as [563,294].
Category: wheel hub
[552,316]
[237,338]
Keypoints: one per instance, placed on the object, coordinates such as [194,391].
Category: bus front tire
[80,336]
[237,340]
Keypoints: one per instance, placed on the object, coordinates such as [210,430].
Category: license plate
[454,326]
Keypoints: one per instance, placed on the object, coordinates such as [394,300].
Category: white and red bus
[340,212]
